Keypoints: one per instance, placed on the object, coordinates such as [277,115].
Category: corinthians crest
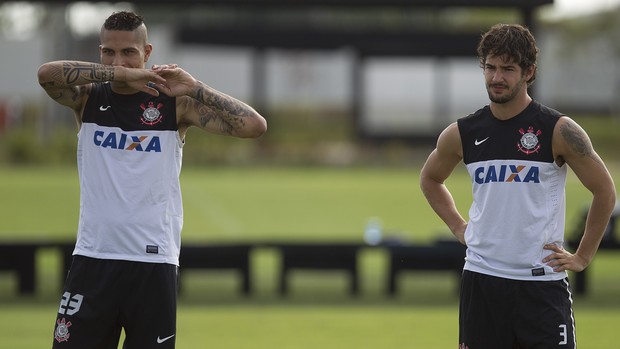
[62,330]
[529,141]
[151,114]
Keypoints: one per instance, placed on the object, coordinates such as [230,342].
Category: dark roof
[332,3]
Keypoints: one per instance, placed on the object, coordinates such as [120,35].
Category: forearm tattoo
[576,139]
[73,71]
[218,107]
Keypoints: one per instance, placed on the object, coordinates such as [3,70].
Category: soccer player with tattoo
[514,288]
[132,122]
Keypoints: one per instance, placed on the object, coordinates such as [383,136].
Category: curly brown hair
[513,42]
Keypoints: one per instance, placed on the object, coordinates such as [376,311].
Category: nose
[497,75]
[118,60]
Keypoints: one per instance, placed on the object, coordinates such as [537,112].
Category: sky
[573,8]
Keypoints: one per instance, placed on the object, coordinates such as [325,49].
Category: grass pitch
[302,204]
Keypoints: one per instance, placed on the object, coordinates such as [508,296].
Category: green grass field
[302,204]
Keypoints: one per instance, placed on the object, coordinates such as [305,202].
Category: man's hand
[562,260]
[178,82]
[144,80]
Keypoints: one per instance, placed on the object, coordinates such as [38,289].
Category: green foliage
[26,146]
[296,137]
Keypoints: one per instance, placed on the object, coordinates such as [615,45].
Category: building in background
[402,96]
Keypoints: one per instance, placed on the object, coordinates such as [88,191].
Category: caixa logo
[123,141]
[507,173]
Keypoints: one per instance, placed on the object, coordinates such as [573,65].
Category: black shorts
[101,297]
[498,313]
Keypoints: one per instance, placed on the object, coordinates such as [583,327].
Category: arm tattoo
[213,107]
[72,71]
[48,85]
[207,116]
[576,140]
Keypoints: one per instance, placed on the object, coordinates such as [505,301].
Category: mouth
[498,88]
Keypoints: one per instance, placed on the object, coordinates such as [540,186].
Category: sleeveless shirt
[129,161]
[518,193]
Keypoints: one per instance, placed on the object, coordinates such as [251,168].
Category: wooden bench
[20,257]
[319,256]
[442,255]
[219,256]
[610,241]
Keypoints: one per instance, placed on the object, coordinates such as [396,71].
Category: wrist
[196,91]
[585,259]
[119,74]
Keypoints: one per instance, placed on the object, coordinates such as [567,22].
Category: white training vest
[518,193]
[129,161]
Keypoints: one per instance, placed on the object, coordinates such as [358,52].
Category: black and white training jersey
[518,193]
[129,162]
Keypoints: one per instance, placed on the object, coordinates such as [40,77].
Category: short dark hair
[123,20]
[512,42]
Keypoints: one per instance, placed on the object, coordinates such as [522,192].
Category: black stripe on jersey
[526,136]
[135,112]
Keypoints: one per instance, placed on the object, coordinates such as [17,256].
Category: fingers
[156,67]
[558,252]
[151,90]
[562,260]
[156,89]
[553,247]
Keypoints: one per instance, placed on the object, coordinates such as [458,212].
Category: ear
[530,72]
[147,52]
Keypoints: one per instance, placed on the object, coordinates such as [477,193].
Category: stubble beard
[502,99]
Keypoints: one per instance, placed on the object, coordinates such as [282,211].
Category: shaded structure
[255,29]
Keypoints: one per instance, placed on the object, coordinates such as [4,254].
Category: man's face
[504,79]
[123,48]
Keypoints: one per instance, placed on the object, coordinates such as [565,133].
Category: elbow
[606,196]
[260,128]
[45,73]
[42,73]
[425,185]
[425,180]
[610,191]
[613,199]
[257,128]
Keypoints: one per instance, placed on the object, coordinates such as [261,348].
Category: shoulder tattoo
[576,139]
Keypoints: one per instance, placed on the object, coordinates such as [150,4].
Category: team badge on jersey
[529,141]
[151,114]
[62,330]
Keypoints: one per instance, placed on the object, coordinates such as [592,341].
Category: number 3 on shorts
[563,334]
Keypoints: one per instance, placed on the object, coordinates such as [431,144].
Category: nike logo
[477,142]
[102,108]
[161,340]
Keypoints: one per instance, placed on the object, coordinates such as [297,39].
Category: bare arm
[435,171]
[215,111]
[572,145]
[207,108]
[68,82]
